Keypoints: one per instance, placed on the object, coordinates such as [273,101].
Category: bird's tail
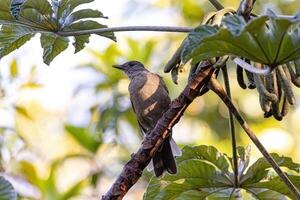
[163,159]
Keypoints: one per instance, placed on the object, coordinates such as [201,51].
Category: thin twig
[127,28]
[232,130]
[133,169]
[216,4]
[215,86]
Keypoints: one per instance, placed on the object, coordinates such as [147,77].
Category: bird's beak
[121,67]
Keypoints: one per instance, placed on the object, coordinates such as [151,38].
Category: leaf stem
[232,129]
[215,86]
[127,28]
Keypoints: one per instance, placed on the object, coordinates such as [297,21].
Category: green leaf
[85,13]
[85,138]
[13,37]
[81,40]
[7,192]
[259,169]
[53,45]
[5,13]
[201,174]
[41,6]
[208,153]
[267,39]
[193,175]
[275,185]
[67,6]
[89,24]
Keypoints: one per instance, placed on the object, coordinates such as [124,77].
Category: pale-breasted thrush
[150,99]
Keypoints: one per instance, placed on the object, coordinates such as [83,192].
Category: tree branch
[215,86]
[127,28]
[133,169]
[232,129]
[216,4]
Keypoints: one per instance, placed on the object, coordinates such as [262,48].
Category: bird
[149,97]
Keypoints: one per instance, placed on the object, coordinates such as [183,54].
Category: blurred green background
[67,129]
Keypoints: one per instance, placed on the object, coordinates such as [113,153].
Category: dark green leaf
[85,138]
[273,44]
[234,23]
[12,37]
[7,192]
[53,45]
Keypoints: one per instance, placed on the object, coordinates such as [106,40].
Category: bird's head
[131,67]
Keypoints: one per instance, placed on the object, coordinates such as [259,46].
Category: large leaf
[85,138]
[208,153]
[53,45]
[5,13]
[195,176]
[275,185]
[267,39]
[259,169]
[21,19]
[7,192]
[12,37]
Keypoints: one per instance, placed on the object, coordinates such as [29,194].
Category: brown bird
[150,99]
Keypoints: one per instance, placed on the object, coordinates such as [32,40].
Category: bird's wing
[143,130]
[163,83]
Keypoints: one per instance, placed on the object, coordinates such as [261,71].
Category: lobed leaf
[267,39]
